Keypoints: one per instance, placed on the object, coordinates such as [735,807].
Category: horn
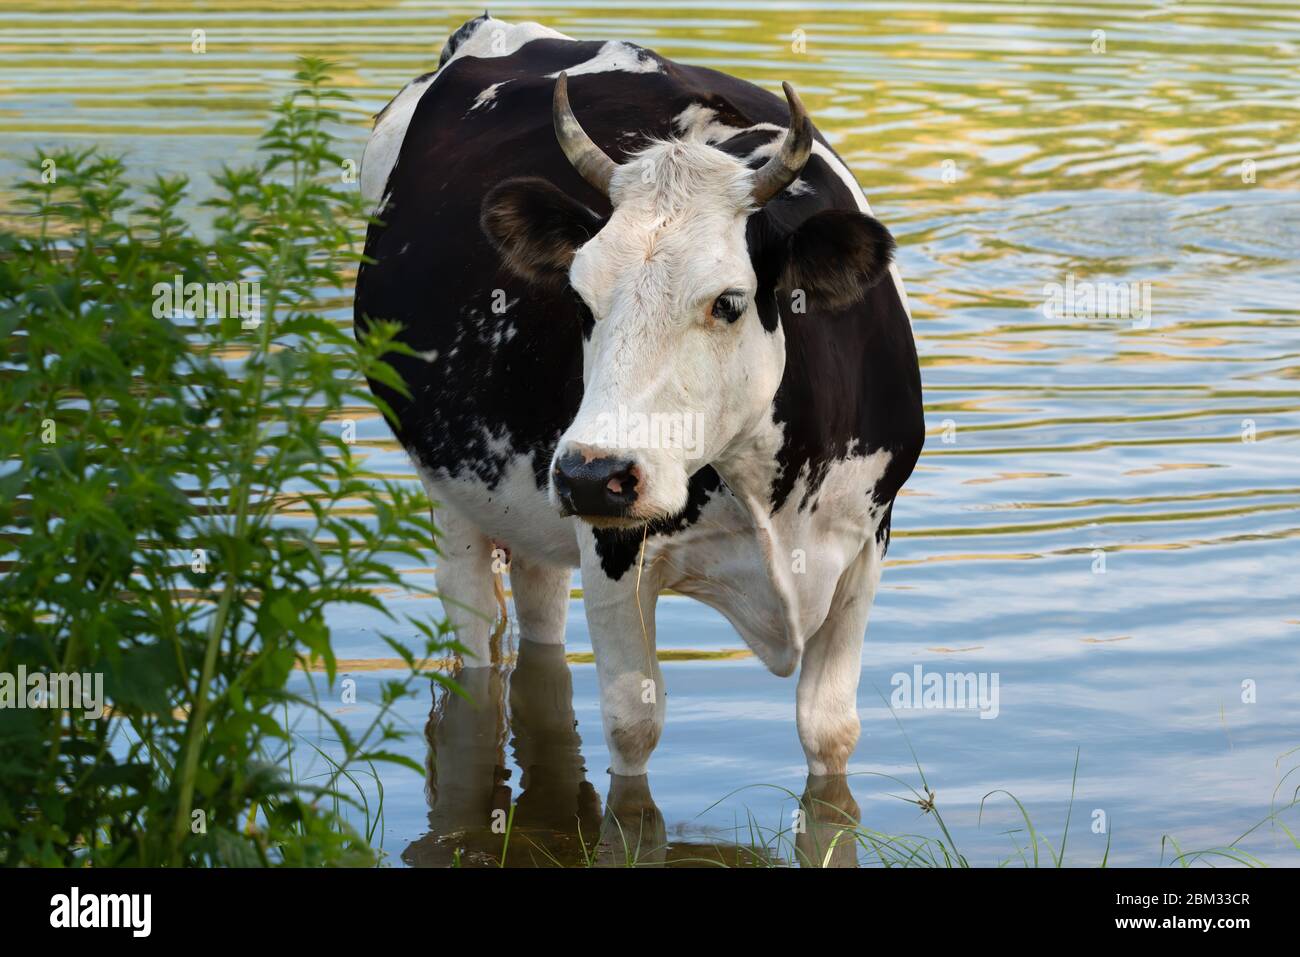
[587,158]
[784,168]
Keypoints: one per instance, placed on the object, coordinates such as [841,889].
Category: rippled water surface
[1105,515]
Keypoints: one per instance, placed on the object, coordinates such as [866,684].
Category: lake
[1105,519]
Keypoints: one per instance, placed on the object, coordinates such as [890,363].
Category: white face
[678,370]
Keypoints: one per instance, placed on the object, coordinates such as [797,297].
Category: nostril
[622,483]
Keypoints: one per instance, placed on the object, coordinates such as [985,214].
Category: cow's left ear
[537,228]
[835,256]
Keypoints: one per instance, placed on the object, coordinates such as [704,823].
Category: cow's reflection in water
[558,818]
[831,815]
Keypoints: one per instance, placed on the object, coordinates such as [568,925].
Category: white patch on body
[487,98]
[380,154]
[614,55]
[493,37]
[515,513]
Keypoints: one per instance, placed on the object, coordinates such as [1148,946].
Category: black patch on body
[619,548]
[851,383]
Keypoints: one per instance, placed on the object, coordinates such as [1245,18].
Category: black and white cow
[660,338]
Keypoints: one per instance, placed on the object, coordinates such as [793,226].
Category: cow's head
[679,369]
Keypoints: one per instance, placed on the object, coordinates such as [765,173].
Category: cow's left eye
[730,306]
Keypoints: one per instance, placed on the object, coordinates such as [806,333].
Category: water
[1006,152]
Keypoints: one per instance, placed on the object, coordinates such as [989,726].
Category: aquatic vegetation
[163,396]
[823,828]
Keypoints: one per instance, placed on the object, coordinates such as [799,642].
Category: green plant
[181,513]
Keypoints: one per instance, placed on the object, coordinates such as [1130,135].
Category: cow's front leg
[621,620]
[827,708]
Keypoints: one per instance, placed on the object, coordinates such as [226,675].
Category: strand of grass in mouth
[645,634]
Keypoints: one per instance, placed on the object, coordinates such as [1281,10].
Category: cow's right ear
[537,228]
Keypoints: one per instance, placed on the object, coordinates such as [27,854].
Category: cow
[655,333]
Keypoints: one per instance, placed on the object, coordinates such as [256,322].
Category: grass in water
[822,829]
